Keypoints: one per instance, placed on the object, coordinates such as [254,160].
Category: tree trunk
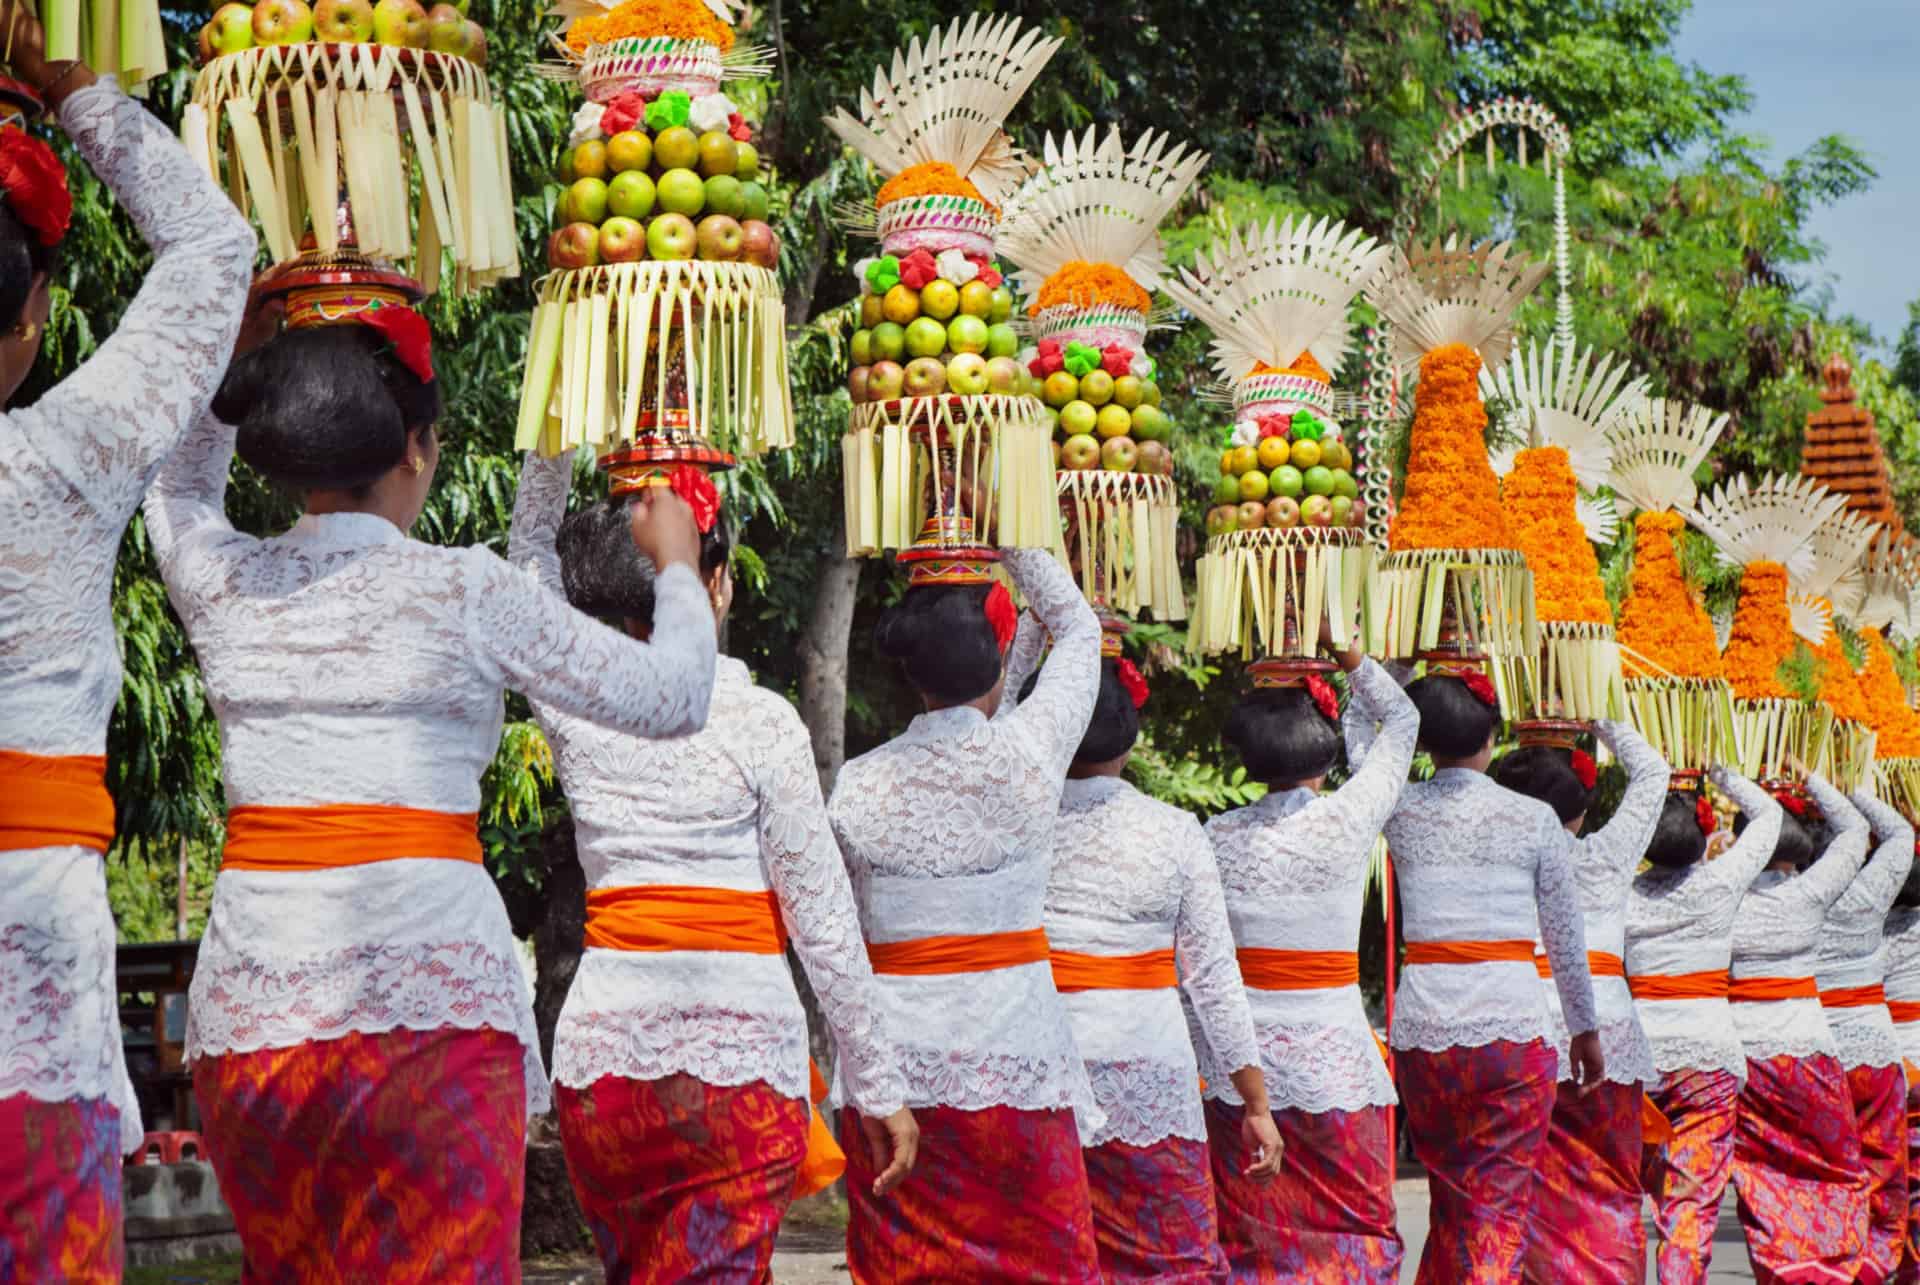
[823,665]
[551,1221]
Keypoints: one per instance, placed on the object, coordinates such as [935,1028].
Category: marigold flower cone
[1886,702]
[1661,620]
[1762,636]
[1452,498]
[1539,496]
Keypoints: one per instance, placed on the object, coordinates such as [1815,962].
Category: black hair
[1909,895]
[1678,841]
[1454,723]
[1545,773]
[943,641]
[1800,842]
[1115,724]
[1281,735]
[22,258]
[604,575]
[325,408]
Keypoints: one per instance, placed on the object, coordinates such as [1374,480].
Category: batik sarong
[680,1179]
[1879,1096]
[59,1190]
[391,1157]
[1909,1273]
[998,1194]
[1796,1167]
[1153,1215]
[1689,1180]
[1586,1202]
[1478,1121]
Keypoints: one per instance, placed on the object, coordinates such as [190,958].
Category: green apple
[967,334]
[746,161]
[863,348]
[723,196]
[1342,509]
[1319,480]
[1226,490]
[926,337]
[631,195]
[1149,422]
[1344,484]
[1077,418]
[587,200]
[1002,309]
[680,190]
[1002,339]
[1288,481]
[753,201]
[889,341]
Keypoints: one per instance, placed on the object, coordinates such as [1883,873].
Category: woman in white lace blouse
[1586,1202]
[680,1061]
[359,1001]
[72,469]
[1903,1003]
[1796,1150]
[948,832]
[1481,871]
[1680,917]
[1851,968]
[1294,866]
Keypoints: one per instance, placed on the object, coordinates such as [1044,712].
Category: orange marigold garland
[1084,284]
[1661,619]
[1762,634]
[933,178]
[1886,701]
[1304,366]
[1452,498]
[1539,496]
[1839,685]
[640,19]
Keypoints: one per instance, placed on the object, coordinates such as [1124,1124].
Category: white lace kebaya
[72,469]
[1603,866]
[1853,949]
[735,805]
[948,829]
[1294,866]
[350,664]
[1680,922]
[1903,978]
[1777,934]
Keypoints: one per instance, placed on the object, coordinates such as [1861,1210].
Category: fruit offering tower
[362,137]
[1765,528]
[1565,407]
[1084,234]
[931,413]
[1825,590]
[1677,691]
[118,37]
[1888,604]
[660,335]
[1454,578]
[1286,541]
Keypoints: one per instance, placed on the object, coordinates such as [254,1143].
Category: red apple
[206,42]
[622,240]
[1080,451]
[232,27]
[1004,375]
[1222,519]
[400,22]
[447,30]
[1119,455]
[720,238]
[1252,515]
[759,244]
[1283,512]
[967,374]
[926,377]
[282,22]
[343,22]
[576,245]
[885,379]
[671,236]
[476,43]
[857,384]
[1155,458]
[1317,510]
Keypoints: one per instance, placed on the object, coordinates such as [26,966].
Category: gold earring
[417,464]
[26,331]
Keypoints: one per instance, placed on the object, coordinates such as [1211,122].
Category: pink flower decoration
[1116,360]
[917,269]
[623,113]
[738,128]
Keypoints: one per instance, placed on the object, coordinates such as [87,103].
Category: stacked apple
[674,194]
[940,337]
[444,28]
[1285,471]
[1107,418]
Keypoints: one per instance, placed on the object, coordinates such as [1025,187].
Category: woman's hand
[663,531]
[1258,1134]
[260,324]
[898,1135]
[24,50]
[1589,1063]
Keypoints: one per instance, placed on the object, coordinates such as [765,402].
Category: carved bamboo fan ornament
[122,38]
[1437,295]
[1832,591]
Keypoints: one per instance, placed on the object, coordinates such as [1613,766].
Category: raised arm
[1622,842]
[186,508]
[1381,727]
[110,423]
[538,508]
[1740,865]
[1209,968]
[1561,927]
[1055,716]
[570,661]
[803,866]
[1023,657]
[1878,883]
[1827,879]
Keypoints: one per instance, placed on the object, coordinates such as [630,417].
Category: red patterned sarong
[1796,1167]
[1692,1176]
[1328,1218]
[1153,1213]
[998,1194]
[1910,1253]
[1586,1203]
[1478,1120]
[393,1157]
[680,1179]
[1879,1096]
[59,1190]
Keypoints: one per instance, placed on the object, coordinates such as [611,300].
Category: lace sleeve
[816,902]
[1023,657]
[108,424]
[1055,716]
[1377,760]
[1622,842]
[1561,927]
[186,509]
[1827,879]
[570,661]
[1879,881]
[538,508]
[1209,968]
[1743,862]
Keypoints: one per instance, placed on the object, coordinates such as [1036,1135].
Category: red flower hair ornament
[1323,698]
[1703,813]
[1585,768]
[1002,615]
[1130,678]
[35,185]
[698,490]
[1792,803]
[1481,686]
[407,331]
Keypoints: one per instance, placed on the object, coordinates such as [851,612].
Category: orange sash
[1599,964]
[1655,1129]
[1263,969]
[1149,971]
[1853,997]
[54,802]
[1469,952]
[1707,985]
[1760,990]
[663,917]
[964,953]
[1904,1010]
[344,834]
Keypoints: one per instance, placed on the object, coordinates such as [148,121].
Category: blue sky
[1848,67]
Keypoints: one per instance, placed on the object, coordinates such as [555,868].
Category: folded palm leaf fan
[1829,592]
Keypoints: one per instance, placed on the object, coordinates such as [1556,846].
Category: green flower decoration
[1306,428]
[1082,360]
[668,110]
[1152,367]
[883,274]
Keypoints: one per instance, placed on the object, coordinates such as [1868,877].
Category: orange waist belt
[1655,1129]
[1651,986]
[49,801]
[1761,990]
[1263,969]
[1148,971]
[1599,964]
[666,917]
[1853,997]
[1904,1010]
[1469,952]
[344,834]
[964,953]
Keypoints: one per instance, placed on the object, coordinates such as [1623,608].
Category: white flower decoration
[1330,430]
[1245,433]
[1028,356]
[860,273]
[710,112]
[956,267]
[586,123]
[1141,367]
